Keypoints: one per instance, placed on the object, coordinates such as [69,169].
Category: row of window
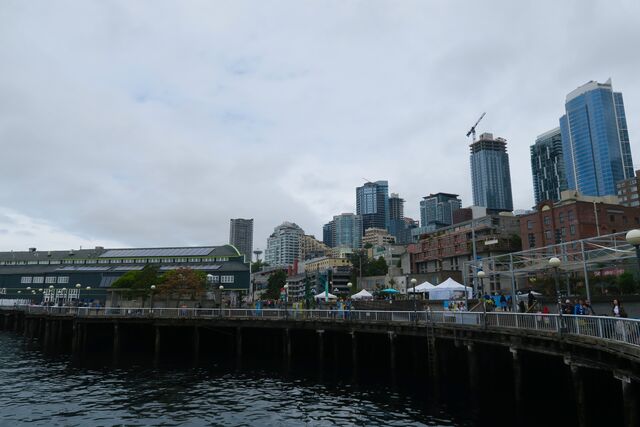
[28,280]
[116,261]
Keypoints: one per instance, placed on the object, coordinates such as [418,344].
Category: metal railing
[613,329]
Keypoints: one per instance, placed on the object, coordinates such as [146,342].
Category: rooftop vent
[32,249]
[71,252]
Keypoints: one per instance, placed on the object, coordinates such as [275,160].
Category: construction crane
[366,180]
[472,131]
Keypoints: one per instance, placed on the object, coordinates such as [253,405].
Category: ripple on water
[42,391]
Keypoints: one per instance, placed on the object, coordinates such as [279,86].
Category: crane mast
[472,131]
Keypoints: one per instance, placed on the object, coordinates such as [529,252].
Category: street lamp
[554,263]
[481,274]
[221,287]
[286,299]
[153,288]
[349,286]
[78,286]
[413,286]
[633,238]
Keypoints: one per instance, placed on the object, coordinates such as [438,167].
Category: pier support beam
[577,379]
[320,333]
[354,355]
[5,322]
[156,348]
[517,380]
[239,347]
[116,343]
[392,356]
[631,400]
[46,338]
[286,349]
[472,367]
[74,340]
[196,345]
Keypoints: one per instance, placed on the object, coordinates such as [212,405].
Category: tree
[183,283]
[626,283]
[258,265]
[276,281]
[136,284]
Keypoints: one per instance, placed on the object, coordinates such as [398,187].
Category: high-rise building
[629,191]
[283,245]
[310,248]
[372,204]
[328,234]
[348,230]
[595,140]
[241,236]
[547,166]
[397,226]
[436,210]
[490,174]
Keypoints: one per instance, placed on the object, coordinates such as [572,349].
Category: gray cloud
[138,123]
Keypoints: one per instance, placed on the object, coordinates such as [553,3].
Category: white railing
[605,328]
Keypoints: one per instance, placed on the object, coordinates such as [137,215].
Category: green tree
[136,284]
[626,283]
[275,282]
[258,265]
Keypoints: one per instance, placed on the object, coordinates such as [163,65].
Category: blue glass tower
[436,210]
[547,166]
[348,230]
[490,174]
[595,140]
[372,204]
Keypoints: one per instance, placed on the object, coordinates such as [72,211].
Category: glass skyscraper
[348,230]
[436,210]
[547,166]
[490,174]
[595,140]
[372,204]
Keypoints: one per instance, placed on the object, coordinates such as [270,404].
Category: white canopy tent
[421,288]
[363,294]
[448,289]
[323,296]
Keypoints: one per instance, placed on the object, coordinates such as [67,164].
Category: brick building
[575,217]
[628,191]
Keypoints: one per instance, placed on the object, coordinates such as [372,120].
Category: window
[612,218]
[25,279]
[547,234]
[103,261]
[50,279]
[571,215]
[38,279]
[32,262]
[78,261]
[625,220]
[572,229]
[547,220]
[563,231]
[63,279]
[561,217]
[532,240]
[154,260]
[529,227]
[140,261]
[227,279]
[215,279]
[44,261]
[128,261]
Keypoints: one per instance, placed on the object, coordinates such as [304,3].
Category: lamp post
[481,274]
[413,286]
[286,299]
[78,286]
[152,289]
[554,263]
[349,286]
[633,238]
[220,288]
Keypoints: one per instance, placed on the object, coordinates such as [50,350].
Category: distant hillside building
[241,236]
[283,245]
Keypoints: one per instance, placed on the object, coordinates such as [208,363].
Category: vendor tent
[323,295]
[421,288]
[449,289]
[363,294]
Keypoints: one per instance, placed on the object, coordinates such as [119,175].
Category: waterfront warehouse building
[98,268]
[595,140]
[547,166]
[490,175]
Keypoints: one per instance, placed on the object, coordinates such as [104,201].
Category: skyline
[117,132]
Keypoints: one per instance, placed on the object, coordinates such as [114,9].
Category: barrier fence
[606,328]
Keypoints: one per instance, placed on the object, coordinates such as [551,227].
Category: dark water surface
[43,390]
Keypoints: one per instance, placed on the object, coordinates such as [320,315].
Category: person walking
[617,309]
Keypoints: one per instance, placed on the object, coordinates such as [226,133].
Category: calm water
[49,391]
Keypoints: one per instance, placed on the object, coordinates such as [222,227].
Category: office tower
[490,174]
[241,236]
[436,210]
[283,245]
[348,230]
[397,226]
[547,166]
[372,204]
[595,140]
[328,234]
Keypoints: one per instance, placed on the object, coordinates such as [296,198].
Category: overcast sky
[151,123]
